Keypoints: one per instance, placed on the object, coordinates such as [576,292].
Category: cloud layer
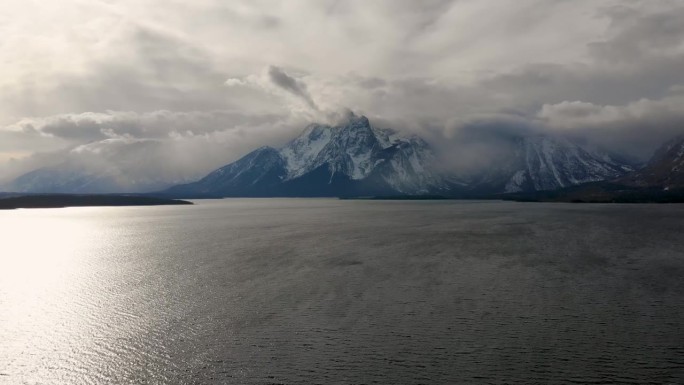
[209,80]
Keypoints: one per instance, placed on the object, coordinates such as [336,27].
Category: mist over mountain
[665,170]
[91,101]
[538,163]
[116,165]
[356,159]
[352,158]
[426,126]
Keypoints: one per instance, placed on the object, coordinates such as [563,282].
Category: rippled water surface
[291,291]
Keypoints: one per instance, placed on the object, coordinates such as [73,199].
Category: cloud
[203,72]
[636,128]
[290,84]
[185,145]
[235,82]
[89,126]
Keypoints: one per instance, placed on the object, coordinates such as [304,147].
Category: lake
[299,291]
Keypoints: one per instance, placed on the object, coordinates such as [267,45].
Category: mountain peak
[350,119]
[358,121]
[352,157]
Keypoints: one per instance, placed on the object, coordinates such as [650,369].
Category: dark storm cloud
[290,84]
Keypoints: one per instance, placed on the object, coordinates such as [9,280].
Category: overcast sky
[213,79]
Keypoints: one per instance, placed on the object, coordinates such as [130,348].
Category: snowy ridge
[351,158]
[300,153]
[356,149]
[354,158]
[549,163]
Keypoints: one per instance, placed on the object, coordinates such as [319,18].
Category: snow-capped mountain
[102,167]
[358,151]
[256,174]
[62,180]
[75,180]
[539,163]
[355,158]
[660,181]
[352,158]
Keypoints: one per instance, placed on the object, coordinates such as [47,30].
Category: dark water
[343,292]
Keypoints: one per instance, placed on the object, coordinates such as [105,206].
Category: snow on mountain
[355,158]
[552,163]
[110,166]
[255,174]
[359,151]
[70,179]
[351,157]
[345,149]
[300,153]
[410,168]
[538,163]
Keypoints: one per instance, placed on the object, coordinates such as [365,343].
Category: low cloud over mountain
[199,85]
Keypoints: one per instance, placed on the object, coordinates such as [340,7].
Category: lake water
[299,291]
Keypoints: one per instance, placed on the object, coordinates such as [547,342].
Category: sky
[178,88]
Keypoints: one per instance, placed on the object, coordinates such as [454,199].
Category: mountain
[356,159]
[60,180]
[109,166]
[540,163]
[255,174]
[660,180]
[352,158]
[664,171]
[77,180]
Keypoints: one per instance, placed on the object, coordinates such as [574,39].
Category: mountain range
[355,158]
[348,159]
[660,180]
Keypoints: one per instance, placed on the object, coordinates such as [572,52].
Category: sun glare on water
[43,263]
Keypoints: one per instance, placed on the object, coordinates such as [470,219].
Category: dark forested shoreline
[17,201]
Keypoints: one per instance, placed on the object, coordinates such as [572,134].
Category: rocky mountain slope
[348,159]
[664,171]
[78,180]
[99,167]
[661,180]
[357,159]
[540,163]
[352,158]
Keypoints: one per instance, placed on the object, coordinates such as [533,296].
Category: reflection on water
[42,269]
[301,291]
